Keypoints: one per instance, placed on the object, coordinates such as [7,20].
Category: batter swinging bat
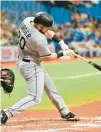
[90,62]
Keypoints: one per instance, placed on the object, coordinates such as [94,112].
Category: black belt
[25,60]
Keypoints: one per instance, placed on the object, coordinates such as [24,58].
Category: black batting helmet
[44,18]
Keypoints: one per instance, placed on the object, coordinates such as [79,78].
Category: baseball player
[32,47]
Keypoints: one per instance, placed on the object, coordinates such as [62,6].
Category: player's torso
[26,41]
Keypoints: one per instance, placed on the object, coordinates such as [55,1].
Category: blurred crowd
[8,30]
[82,34]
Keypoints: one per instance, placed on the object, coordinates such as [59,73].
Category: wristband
[59,54]
[56,38]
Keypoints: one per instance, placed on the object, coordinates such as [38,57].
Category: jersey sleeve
[42,47]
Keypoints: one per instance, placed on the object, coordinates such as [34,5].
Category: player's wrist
[63,45]
[60,54]
[61,42]
[56,38]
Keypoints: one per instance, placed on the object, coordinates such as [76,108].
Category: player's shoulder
[39,37]
[28,20]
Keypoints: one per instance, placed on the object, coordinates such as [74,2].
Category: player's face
[44,29]
[41,28]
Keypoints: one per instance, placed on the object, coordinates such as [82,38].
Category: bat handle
[80,57]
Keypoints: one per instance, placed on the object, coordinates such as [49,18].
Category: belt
[25,60]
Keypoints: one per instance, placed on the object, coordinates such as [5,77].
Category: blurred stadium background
[79,24]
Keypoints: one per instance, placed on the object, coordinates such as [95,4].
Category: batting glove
[68,52]
[63,45]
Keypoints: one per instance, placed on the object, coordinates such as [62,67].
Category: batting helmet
[44,18]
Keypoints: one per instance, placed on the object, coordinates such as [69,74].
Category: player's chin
[44,30]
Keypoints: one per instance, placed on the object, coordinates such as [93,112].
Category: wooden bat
[90,62]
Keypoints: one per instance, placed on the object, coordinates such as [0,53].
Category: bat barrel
[90,62]
[95,65]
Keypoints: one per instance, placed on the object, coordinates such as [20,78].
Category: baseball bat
[4,80]
[88,61]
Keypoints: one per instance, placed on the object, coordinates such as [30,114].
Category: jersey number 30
[21,41]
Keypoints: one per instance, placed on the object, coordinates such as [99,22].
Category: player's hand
[68,52]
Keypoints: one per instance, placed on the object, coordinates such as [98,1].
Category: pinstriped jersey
[32,44]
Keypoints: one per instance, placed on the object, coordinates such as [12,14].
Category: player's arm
[44,52]
[52,35]
[55,56]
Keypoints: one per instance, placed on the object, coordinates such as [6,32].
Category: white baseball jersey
[32,43]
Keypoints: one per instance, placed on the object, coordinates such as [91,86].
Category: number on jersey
[21,41]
